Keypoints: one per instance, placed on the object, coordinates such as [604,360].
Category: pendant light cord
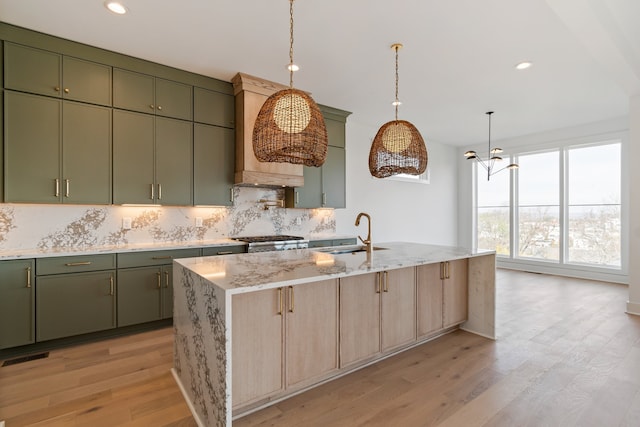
[397,102]
[291,44]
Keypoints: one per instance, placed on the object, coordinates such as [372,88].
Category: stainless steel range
[273,243]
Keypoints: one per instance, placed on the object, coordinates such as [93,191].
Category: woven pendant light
[290,127]
[398,146]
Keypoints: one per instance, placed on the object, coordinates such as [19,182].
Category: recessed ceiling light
[523,65]
[116,7]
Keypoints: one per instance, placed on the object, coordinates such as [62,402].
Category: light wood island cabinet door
[429,284]
[257,345]
[359,318]
[311,331]
[398,307]
[455,292]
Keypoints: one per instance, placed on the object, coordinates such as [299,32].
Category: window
[594,205]
[539,206]
[562,206]
[493,212]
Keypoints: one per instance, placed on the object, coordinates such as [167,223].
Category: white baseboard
[632,308]
[186,399]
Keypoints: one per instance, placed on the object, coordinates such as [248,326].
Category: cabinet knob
[152,106]
[57,88]
[66,90]
[160,107]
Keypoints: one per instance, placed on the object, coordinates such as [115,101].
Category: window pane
[493,229]
[594,235]
[539,232]
[538,179]
[594,175]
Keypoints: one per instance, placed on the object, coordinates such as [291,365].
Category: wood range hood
[250,93]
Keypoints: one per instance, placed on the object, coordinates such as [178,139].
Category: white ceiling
[457,62]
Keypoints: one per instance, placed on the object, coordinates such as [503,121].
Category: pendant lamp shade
[398,146]
[290,127]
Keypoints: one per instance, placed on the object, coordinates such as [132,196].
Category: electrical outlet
[126,223]
[198,221]
[298,220]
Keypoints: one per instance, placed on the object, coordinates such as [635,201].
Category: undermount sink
[348,250]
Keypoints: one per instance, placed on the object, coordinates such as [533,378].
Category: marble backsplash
[27,226]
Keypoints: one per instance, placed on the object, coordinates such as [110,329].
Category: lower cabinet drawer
[73,304]
[75,264]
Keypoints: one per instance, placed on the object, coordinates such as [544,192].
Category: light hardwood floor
[566,355]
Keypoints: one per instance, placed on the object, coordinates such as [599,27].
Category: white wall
[400,211]
[633,305]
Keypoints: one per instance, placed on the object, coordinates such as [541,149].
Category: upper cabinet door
[213,165]
[174,99]
[86,81]
[133,91]
[32,70]
[32,148]
[334,178]
[213,108]
[174,161]
[335,132]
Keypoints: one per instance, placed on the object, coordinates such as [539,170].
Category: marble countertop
[98,250]
[240,273]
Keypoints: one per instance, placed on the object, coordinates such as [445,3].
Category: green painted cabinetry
[66,158]
[224,250]
[213,108]
[152,159]
[325,186]
[213,165]
[149,94]
[145,285]
[17,303]
[75,295]
[38,71]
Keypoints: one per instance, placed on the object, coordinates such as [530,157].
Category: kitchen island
[251,329]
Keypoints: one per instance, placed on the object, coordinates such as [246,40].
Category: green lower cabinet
[17,303]
[140,294]
[167,292]
[74,304]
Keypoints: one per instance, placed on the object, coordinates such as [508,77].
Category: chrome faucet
[367,241]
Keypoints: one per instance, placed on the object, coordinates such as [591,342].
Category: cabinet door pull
[166,279]
[224,253]
[111,285]
[153,194]
[297,198]
[441,270]
[76,264]
[28,277]
[378,278]
[291,299]
[57,187]
[162,257]
[324,199]
[386,281]
[159,191]
[159,284]
[231,196]
[66,188]
[446,269]
[280,301]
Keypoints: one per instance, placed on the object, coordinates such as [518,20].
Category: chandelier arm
[482,163]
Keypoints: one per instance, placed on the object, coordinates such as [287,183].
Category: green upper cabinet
[213,108]
[42,72]
[66,158]
[148,94]
[152,159]
[325,186]
[17,303]
[213,165]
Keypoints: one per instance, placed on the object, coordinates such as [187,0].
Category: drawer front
[224,250]
[320,243]
[75,264]
[343,242]
[141,259]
